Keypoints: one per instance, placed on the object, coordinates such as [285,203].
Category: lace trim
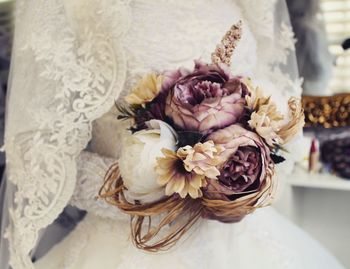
[270,24]
[80,72]
[91,171]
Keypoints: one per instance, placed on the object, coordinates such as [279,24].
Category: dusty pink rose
[206,99]
[247,160]
[156,108]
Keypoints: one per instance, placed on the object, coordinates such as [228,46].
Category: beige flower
[270,124]
[202,158]
[255,98]
[185,171]
[146,90]
[266,121]
[296,120]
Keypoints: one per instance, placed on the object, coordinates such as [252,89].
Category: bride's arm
[92,165]
[91,169]
[107,132]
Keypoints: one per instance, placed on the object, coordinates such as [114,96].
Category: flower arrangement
[203,144]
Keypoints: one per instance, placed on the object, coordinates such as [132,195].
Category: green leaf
[277,158]
[188,138]
[125,113]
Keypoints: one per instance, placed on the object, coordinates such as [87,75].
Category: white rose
[139,158]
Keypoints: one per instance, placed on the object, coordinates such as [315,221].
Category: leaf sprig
[130,112]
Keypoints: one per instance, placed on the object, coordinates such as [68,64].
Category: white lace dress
[263,240]
[155,35]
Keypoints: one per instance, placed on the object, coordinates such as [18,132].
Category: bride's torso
[163,35]
[166,35]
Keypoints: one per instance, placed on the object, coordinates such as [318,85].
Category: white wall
[323,213]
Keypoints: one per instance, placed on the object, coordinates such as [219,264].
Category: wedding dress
[86,53]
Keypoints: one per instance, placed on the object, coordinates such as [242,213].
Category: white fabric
[91,171]
[102,240]
[71,59]
[263,240]
[67,68]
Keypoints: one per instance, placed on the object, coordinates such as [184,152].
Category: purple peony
[206,99]
[156,108]
[242,169]
[247,160]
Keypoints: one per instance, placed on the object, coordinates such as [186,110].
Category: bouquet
[203,143]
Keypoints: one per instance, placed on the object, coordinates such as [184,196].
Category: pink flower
[206,99]
[247,163]
[185,171]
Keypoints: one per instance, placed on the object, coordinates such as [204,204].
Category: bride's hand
[106,134]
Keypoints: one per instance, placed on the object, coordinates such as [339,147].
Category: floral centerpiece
[203,143]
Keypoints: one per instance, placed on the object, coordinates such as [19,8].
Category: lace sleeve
[277,67]
[276,70]
[68,66]
[91,169]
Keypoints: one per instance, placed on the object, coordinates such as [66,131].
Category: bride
[71,60]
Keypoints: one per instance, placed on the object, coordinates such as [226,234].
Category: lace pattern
[80,69]
[91,171]
[270,24]
[240,240]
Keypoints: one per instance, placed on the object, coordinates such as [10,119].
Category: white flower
[139,158]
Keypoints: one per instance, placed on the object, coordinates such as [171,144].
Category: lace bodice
[176,34]
[82,55]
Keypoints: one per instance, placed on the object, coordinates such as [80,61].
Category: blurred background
[316,195]
[6,30]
